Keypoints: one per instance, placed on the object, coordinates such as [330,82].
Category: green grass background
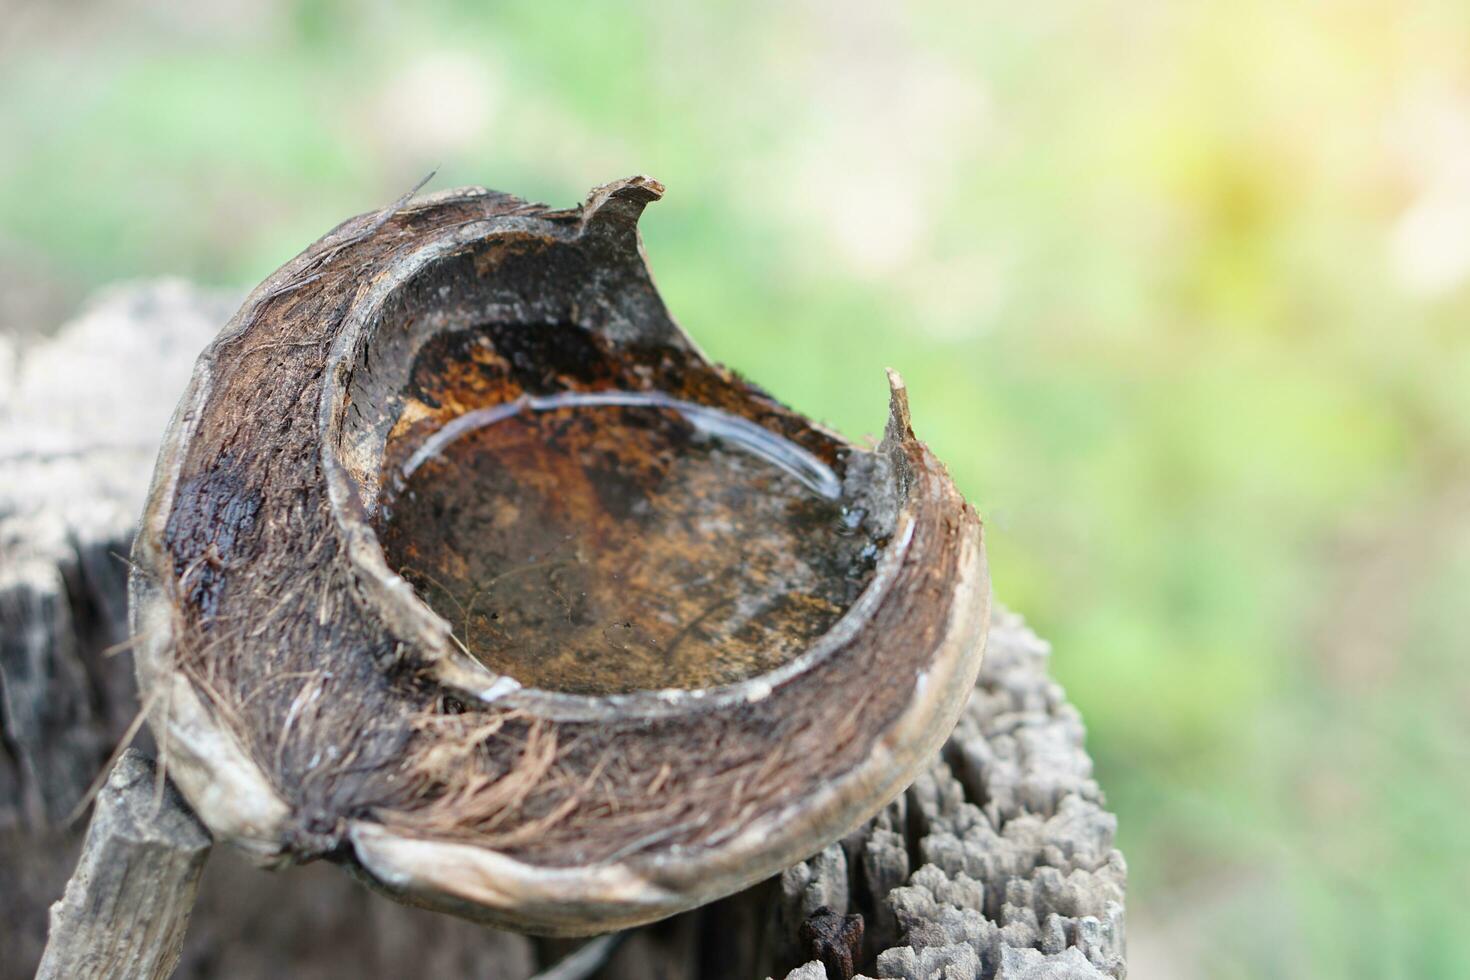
[1180,291]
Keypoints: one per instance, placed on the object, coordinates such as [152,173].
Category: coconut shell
[310,703]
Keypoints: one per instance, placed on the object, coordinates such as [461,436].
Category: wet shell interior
[599,520]
[464,568]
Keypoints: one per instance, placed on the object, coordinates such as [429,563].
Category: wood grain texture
[128,903]
[999,861]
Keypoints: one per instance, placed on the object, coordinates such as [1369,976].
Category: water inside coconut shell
[594,540]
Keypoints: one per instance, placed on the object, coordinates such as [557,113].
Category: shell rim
[400,605]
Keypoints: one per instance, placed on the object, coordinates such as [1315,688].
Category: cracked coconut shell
[319,689]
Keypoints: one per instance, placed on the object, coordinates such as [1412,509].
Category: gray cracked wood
[127,906]
[999,862]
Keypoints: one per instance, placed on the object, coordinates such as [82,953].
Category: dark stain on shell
[209,529]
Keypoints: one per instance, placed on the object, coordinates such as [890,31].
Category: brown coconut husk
[309,704]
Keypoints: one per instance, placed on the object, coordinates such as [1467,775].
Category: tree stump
[997,862]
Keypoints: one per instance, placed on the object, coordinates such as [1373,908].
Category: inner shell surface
[596,521]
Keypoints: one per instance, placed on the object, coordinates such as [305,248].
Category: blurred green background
[1181,292]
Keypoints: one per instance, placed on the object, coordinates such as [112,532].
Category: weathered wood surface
[127,906]
[998,862]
